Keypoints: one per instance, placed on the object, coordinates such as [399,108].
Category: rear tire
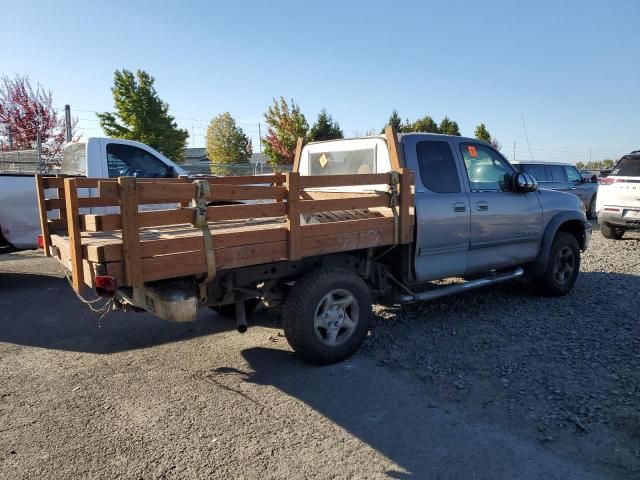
[611,232]
[563,266]
[327,314]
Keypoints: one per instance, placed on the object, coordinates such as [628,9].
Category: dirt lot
[496,383]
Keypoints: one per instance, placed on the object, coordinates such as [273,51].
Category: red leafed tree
[25,112]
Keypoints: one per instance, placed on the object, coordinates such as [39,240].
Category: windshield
[343,162]
[74,159]
[627,167]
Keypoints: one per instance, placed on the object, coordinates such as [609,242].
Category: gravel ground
[565,368]
[495,383]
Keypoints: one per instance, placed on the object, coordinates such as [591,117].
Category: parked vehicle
[364,218]
[565,178]
[618,203]
[95,157]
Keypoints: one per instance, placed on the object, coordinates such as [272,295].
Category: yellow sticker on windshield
[323,160]
[472,150]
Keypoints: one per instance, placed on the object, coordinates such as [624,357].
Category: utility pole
[259,138]
[39,149]
[514,151]
[67,122]
[10,138]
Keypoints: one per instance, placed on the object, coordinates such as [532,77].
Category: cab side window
[130,161]
[555,173]
[487,170]
[572,175]
[538,171]
[437,167]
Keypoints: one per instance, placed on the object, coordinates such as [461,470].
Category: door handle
[459,207]
[482,206]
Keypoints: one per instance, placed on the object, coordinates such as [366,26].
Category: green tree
[449,127]
[226,143]
[141,115]
[395,121]
[482,133]
[286,124]
[580,166]
[424,124]
[324,128]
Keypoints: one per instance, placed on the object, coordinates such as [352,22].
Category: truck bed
[287,217]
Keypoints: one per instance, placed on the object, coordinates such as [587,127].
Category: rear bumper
[623,217]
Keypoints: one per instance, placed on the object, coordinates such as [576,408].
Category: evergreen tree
[482,133]
[226,142]
[324,128]
[395,121]
[449,127]
[141,115]
[286,124]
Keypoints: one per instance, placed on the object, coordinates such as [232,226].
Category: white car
[618,202]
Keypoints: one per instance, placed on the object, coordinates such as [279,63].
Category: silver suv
[565,178]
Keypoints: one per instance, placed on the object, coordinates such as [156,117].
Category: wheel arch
[568,222]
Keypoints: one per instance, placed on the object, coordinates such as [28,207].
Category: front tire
[611,232]
[563,266]
[327,314]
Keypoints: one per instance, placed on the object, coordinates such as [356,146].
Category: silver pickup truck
[478,221]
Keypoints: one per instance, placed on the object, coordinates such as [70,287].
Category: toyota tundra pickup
[380,218]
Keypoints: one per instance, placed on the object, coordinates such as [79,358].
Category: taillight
[40,241]
[609,180]
[106,286]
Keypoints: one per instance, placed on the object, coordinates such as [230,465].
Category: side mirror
[524,182]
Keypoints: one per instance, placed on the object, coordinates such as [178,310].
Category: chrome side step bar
[471,285]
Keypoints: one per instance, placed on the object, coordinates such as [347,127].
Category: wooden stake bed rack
[287,218]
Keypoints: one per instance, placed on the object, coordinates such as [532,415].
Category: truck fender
[563,221]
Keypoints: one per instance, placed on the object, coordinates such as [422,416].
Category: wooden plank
[298,154]
[244,180]
[112,252]
[73,229]
[64,257]
[52,182]
[109,222]
[53,203]
[194,263]
[324,195]
[319,181]
[345,242]
[130,231]
[156,192]
[395,153]
[278,181]
[333,228]
[405,224]
[308,206]
[57,224]
[293,214]
[42,212]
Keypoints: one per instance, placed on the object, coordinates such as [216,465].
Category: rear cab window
[343,162]
[130,161]
[573,176]
[437,167]
[538,171]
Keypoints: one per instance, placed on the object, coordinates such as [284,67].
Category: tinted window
[437,167]
[627,167]
[487,169]
[573,175]
[130,161]
[555,173]
[538,171]
[346,162]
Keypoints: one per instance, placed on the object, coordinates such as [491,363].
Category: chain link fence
[26,162]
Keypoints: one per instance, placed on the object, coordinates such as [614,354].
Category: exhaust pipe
[471,285]
[241,317]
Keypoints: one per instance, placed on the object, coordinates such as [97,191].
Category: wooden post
[130,232]
[278,183]
[296,159]
[73,229]
[293,215]
[185,179]
[395,153]
[406,232]
[42,210]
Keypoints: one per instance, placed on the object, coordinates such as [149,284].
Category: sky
[569,69]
